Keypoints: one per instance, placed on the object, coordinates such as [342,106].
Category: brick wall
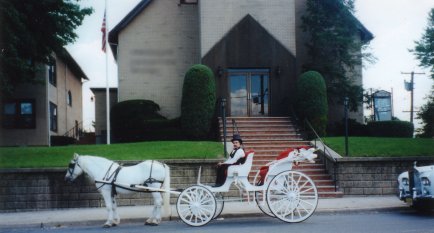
[38,189]
[218,17]
[372,176]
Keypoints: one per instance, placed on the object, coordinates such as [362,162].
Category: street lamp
[346,100]
[223,105]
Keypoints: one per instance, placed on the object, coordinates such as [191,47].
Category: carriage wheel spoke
[292,196]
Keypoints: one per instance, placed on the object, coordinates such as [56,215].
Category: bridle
[72,165]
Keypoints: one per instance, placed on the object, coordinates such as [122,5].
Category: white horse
[111,178]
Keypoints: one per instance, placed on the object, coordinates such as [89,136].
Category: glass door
[249,92]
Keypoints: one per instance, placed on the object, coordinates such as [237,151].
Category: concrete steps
[268,136]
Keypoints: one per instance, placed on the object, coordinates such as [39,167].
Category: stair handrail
[235,127]
[325,152]
[75,132]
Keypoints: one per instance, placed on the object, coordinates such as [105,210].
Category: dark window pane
[9,109]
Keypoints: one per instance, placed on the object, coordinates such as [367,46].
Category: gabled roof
[72,64]
[114,33]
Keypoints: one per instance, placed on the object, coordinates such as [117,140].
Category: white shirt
[238,155]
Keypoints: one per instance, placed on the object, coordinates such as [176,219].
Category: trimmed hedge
[401,129]
[62,140]
[312,100]
[139,120]
[354,128]
[198,101]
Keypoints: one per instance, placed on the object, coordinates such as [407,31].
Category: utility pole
[411,90]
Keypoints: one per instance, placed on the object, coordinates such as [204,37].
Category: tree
[30,32]
[424,52]
[426,114]
[336,46]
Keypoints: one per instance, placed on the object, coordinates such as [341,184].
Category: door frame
[248,73]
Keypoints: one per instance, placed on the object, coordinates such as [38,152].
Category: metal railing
[326,153]
[312,134]
[75,132]
[223,117]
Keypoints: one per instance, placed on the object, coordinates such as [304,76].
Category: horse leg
[106,194]
[116,218]
[155,219]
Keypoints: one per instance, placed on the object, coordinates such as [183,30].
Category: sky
[395,24]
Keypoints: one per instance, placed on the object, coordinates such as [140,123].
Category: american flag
[103,30]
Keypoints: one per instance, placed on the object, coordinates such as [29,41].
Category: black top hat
[237,137]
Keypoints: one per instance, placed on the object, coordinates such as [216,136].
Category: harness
[113,176]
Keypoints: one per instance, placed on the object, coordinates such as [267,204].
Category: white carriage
[288,195]
[291,196]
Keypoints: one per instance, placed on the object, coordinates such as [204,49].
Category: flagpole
[106,74]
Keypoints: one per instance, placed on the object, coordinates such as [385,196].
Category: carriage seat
[264,169]
[244,168]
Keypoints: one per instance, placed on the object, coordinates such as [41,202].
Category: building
[100,111]
[255,49]
[51,107]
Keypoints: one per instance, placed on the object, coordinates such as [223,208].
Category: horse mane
[98,162]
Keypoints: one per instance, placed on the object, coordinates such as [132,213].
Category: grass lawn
[382,147]
[33,157]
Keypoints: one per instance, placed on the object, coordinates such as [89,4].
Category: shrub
[311,100]
[198,101]
[62,140]
[133,120]
[354,128]
[402,129]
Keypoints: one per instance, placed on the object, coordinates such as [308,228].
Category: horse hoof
[151,224]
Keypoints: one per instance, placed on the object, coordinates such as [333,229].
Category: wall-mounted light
[278,71]
[219,71]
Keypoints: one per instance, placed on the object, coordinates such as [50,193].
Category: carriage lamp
[425,181]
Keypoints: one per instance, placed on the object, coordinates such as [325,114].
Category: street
[405,221]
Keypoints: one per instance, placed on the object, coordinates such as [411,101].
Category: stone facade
[158,41]
[371,176]
[38,189]
[218,17]
[155,51]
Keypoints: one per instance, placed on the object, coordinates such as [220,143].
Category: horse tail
[166,195]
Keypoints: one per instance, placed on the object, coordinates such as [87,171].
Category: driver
[237,156]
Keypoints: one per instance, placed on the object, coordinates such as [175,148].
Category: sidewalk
[231,209]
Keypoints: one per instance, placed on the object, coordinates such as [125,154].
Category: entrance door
[249,92]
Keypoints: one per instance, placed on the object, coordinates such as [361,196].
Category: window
[53,117]
[19,114]
[69,98]
[52,78]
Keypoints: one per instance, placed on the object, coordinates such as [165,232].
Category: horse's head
[74,170]
[303,155]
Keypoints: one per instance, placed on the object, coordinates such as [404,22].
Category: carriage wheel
[262,204]
[220,204]
[292,196]
[196,206]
